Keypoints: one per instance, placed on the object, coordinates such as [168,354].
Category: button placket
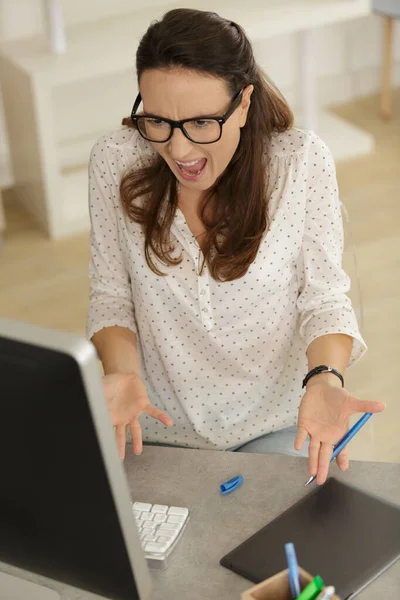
[184,235]
[193,248]
[203,283]
[198,258]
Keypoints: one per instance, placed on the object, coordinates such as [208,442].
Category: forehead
[179,94]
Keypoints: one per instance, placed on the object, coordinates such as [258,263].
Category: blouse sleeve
[110,301]
[322,302]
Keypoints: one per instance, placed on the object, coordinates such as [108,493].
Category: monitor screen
[57,513]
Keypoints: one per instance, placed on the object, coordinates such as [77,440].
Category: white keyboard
[160,527]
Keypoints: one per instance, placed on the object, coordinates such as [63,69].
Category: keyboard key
[149,538]
[178,511]
[155,547]
[159,508]
[166,538]
[146,516]
[170,527]
[141,506]
[149,526]
[137,514]
[160,518]
[176,519]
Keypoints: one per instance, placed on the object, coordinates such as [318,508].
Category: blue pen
[294,578]
[345,440]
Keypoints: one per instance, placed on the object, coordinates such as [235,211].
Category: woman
[216,279]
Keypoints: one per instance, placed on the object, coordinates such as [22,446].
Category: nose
[179,145]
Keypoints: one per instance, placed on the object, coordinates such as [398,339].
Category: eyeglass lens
[200,131]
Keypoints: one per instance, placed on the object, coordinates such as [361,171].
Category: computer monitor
[65,508]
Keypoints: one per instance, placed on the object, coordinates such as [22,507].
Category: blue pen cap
[232,484]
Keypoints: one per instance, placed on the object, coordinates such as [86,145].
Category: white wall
[348,55]
[348,59]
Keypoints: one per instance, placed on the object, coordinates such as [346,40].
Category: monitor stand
[13,588]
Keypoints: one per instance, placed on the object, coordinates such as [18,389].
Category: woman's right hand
[127,399]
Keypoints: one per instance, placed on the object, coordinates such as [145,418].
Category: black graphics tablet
[340,532]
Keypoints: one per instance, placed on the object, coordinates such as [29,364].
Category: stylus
[344,441]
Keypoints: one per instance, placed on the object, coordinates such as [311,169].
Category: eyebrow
[197,117]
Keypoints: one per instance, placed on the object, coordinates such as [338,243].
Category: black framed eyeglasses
[200,130]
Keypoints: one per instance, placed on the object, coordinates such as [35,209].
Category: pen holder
[277,587]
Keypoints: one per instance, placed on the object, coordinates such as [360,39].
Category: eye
[156,122]
[201,123]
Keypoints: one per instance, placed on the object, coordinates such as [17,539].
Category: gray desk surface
[218,523]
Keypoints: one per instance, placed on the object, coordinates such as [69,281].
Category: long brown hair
[235,211]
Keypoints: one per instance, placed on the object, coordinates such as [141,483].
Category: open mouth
[192,171]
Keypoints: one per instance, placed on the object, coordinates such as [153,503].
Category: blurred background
[67,76]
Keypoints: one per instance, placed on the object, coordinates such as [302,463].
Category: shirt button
[204,310]
[203,292]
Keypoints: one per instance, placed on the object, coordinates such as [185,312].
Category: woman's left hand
[324,416]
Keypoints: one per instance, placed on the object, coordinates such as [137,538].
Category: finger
[301,437]
[342,459]
[313,453]
[158,414]
[136,432]
[357,405]
[325,455]
[120,434]
[113,413]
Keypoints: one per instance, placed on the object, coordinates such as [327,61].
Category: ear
[245,104]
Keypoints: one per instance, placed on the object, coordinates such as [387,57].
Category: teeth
[190,173]
[188,164]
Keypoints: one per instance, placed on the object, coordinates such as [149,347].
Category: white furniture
[390,10]
[56,105]
[55,24]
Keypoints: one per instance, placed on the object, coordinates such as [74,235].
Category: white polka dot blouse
[224,360]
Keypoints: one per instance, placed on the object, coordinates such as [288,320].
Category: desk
[271,484]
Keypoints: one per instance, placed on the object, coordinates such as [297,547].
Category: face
[183,94]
